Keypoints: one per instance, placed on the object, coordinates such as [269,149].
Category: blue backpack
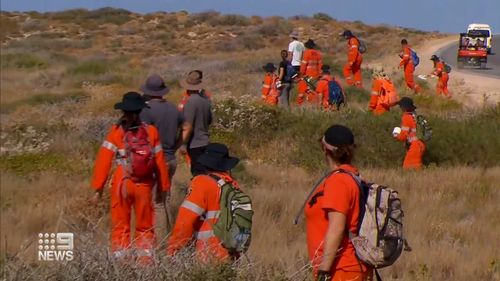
[415,58]
[335,94]
[290,73]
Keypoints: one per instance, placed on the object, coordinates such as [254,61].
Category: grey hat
[294,34]
[193,81]
[155,86]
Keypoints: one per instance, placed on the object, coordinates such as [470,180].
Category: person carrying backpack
[286,74]
[408,64]
[383,95]
[204,215]
[352,69]
[441,70]
[408,134]
[137,151]
[330,92]
[333,210]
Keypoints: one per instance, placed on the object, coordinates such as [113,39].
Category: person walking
[352,69]
[201,207]
[140,159]
[323,89]
[311,61]
[168,121]
[443,77]
[408,133]
[295,50]
[384,94]
[408,66]
[285,79]
[197,117]
[269,85]
[333,210]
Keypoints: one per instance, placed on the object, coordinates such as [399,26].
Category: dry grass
[446,223]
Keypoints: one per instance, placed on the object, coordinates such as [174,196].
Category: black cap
[404,42]
[310,44]
[347,33]
[407,103]
[325,68]
[269,67]
[434,58]
[338,135]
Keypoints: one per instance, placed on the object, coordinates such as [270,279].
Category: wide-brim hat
[193,81]
[155,86]
[434,58]
[216,157]
[407,103]
[310,44]
[131,101]
[294,34]
[346,33]
[269,67]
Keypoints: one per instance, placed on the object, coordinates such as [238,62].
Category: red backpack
[138,154]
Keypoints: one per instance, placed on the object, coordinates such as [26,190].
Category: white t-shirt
[296,48]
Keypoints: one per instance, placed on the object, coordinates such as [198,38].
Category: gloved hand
[396,131]
[323,276]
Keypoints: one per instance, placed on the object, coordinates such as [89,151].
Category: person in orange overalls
[128,191]
[333,210]
[443,77]
[270,92]
[408,65]
[383,95]
[352,69]
[408,133]
[322,89]
[311,61]
[304,91]
[201,207]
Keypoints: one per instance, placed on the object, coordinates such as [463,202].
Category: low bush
[262,126]
[44,98]
[22,60]
[322,16]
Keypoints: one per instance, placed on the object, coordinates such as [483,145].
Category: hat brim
[407,106]
[159,93]
[293,35]
[218,164]
[269,69]
[191,87]
[129,106]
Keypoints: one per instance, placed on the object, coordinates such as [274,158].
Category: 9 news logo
[55,246]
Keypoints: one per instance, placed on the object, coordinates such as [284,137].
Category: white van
[485,29]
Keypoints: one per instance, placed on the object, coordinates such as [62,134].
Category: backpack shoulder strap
[362,198]
[220,181]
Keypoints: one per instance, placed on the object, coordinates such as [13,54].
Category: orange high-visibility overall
[197,214]
[416,147]
[322,91]
[127,194]
[352,69]
[270,92]
[311,64]
[383,96]
[409,69]
[442,84]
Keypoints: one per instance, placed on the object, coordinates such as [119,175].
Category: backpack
[335,93]
[414,57]
[138,157]
[234,225]
[291,73]
[362,46]
[380,240]
[447,67]
[390,96]
[424,129]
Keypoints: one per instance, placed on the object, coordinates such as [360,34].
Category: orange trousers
[123,198]
[341,275]
[410,81]
[414,154]
[352,72]
[442,86]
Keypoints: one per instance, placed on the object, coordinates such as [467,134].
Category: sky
[451,16]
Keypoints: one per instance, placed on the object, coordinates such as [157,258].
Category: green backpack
[234,225]
[424,129]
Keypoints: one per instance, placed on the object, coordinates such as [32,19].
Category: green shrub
[22,60]
[322,16]
[45,98]
[457,140]
[27,164]
[91,67]
[99,16]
